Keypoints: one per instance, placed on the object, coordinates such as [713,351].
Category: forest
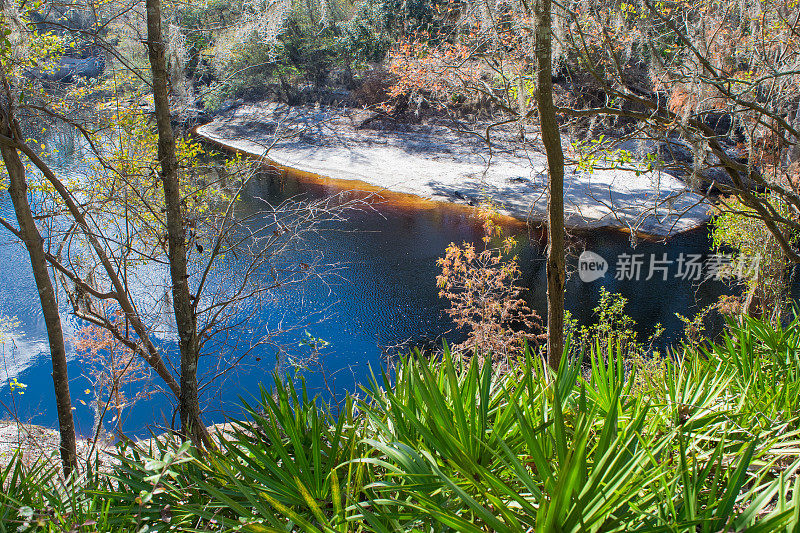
[400,265]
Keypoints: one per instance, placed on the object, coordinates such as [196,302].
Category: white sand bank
[434,162]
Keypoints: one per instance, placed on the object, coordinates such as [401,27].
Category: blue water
[379,299]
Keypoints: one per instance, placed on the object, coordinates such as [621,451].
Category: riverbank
[433,161]
[36,444]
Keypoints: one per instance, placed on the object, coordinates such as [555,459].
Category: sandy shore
[39,444]
[437,163]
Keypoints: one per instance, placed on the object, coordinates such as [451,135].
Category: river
[380,299]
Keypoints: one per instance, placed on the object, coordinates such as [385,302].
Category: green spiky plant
[34,497]
[448,444]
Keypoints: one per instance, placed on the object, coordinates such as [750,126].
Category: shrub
[450,445]
[757,260]
[374,88]
[484,294]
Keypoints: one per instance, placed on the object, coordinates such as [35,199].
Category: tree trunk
[185,319]
[794,151]
[522,101]
[551,138]
[33,242]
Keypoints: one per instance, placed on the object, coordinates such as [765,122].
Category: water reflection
[380,298]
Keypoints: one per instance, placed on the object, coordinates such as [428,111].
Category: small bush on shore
[451,445]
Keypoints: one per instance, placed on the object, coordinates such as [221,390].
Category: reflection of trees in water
[384,257]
